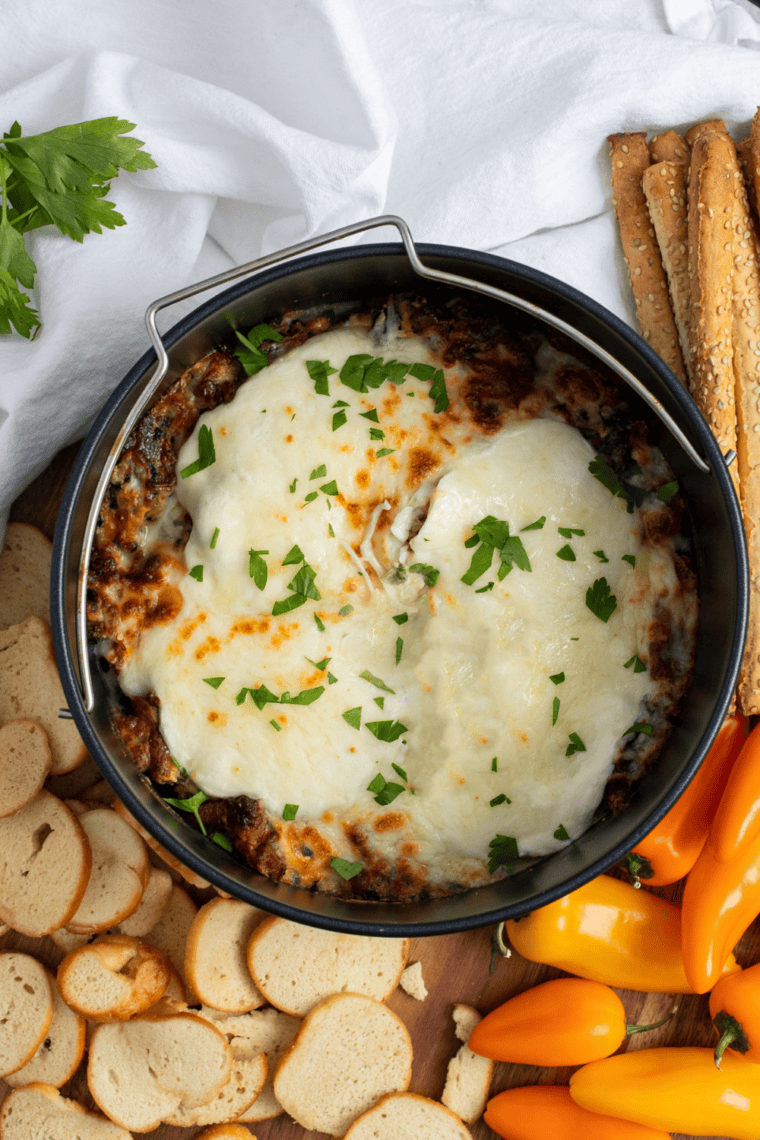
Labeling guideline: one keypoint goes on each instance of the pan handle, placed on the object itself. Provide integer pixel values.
(162, 366)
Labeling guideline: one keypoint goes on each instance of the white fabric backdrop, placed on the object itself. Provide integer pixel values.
(482, 122)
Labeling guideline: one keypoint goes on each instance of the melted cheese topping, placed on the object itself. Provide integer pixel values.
(471, 681)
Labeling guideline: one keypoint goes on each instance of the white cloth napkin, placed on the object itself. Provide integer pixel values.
(481, 122)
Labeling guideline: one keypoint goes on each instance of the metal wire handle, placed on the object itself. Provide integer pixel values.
(162, 367)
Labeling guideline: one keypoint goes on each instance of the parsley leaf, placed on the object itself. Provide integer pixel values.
(494, 535)
(557, 678)
(330, 488)
(345, 869)
(566, 553)
(630, 558)
(485, 589)
(339, 419)
(257, 567)
(638, 664)
(292, 486)
(275, 725)
(667, 491)
(311, 497)
(305, 697)
(353, 717)
(376, 433)
(293, 557)
(401, 619)
(250, 355)
(319, 370)
(192, 804)
(197, 573)
(387, 730)
(501, 799)
(640, 726)
(601, 470)
(206, 453)
(429, 573)
(384, 791)
(214, 682)
(222, 840)
(399, 648)
(352, 372)
(319, 622)
(600, 600)
(318, 472)
(575, 745)
(569, 531)
(385, 451)
(215, 536)
(555, 710)
(321, 665)
(303, 583)
(438, 392)
(289, 812)
(601, 556)
(371, 415)
(561, 833)
(344, 611)
(494, 765)
(502, 851)
(537, 525)
(286, 605)
(380, 702)
(367, 676)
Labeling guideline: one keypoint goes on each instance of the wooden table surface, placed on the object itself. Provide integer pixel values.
(455, 967)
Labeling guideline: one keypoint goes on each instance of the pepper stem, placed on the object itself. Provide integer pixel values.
(731, 1035)
(631, 1029)
(498, 946)
(638, 867)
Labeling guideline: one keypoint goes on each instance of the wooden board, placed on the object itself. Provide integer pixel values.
(455, 967)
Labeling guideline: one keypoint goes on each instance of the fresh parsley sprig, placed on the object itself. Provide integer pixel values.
(58, 178)
(493, 535)
(250, 355)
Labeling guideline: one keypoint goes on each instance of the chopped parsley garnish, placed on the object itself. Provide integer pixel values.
(293, 557)
(331, 680)
(601, 556)
(262, 696)
(321, 665)
(192, 804)
(401, 619)
(257, 567)
(561, 833)
(555, 710)
(339, 419)
(319, 622)
(362, 372)
(353, 717)
(537, 525)
(319, 370)
(557, 678)
(367, 676)
(380, 702)
(494, 535)
(341, 404)
(630, 558)
(250, 355)
(600, 600)
(197, 573)
(575, 745)
(569, 531)
(385, 451)
(305, 697)
(206, 453)
(242, 695)
(502, 851)
(387, 730)
(638, 664)
(422, 371)
(330, 530)
(438, 392)
(667, 491)
(293, 486)
(214, 682)
(502, 799)
(485, 589)
(494, 764)
(429, 573)
(318, 472)
(311, 497)
(274, 724)
(370, 415)
(214, 537)
(601, 470)
(222, 840)
(399, 648)
(639, 726)
(344, 611)
(290, 810)
(400, 772)
(330, 488)
(566, 553)
(376, 433)
(345, 869)
(384, 791)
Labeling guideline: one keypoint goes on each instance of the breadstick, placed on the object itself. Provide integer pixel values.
(711, 210)
(754, 165)
(630, 158)
(747, 163)
(665, 187)
(668, 147)
(699, 130)
(746, 338)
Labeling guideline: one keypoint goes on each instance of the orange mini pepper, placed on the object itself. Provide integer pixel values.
(609, 932)
(677, 1090)
(720, 900)
(737, 820)
(735, 1010)
(548, 1112)
(569, 1021)
(671, 849)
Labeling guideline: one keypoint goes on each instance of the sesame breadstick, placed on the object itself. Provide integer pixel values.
(630, 158)
(711, 208)
(699, 130)
(754, 164)
(668, 147)
(749, 169)
(665, 188)
(746, 339)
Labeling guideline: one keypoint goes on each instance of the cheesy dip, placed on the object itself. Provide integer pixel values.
(397, 639)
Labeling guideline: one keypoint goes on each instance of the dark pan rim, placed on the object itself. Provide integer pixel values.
(214, 873)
